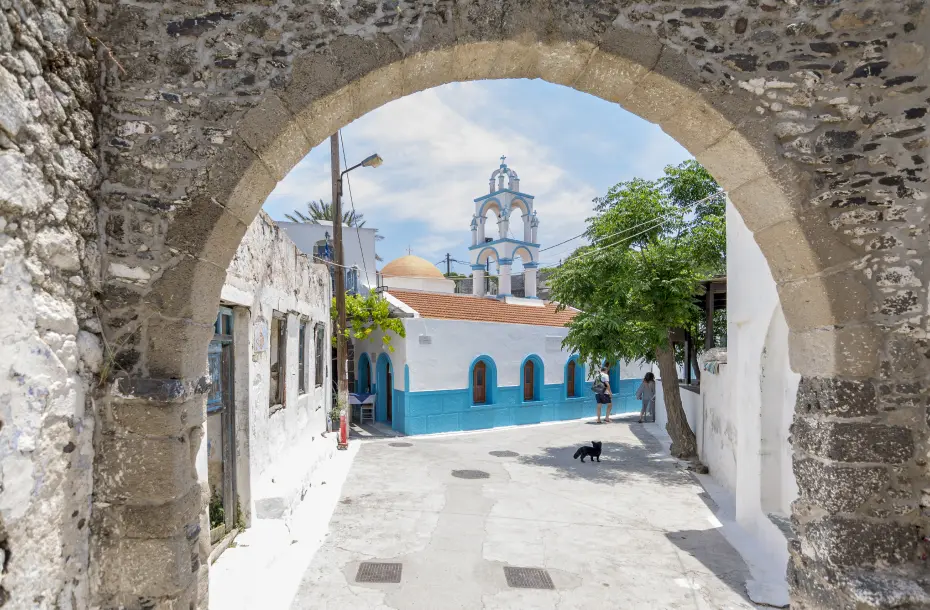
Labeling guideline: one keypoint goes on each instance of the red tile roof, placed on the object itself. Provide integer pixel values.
(481, 309)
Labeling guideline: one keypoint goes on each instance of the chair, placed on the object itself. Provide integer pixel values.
(368, 412)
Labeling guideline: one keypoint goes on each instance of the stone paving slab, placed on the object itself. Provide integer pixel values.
(633, 531)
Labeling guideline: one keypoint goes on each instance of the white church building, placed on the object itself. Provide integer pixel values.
(475, 361)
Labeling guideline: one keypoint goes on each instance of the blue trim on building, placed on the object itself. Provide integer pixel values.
(364, 373)
(505, 261)
(487, 246)
(501, 241)
(384, 363)
(433, 411)
(530, 265)
(490, 380)
(579, 379)
(498, 192)
(538, 376)
(477, 268)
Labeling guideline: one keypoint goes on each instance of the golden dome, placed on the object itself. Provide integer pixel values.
(411, 266)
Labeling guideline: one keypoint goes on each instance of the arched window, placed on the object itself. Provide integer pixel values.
(480, 383)
(570, 379)
(528, 379)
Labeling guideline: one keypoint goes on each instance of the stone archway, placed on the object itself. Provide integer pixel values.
(809, 114)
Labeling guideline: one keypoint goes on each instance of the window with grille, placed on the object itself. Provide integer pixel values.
(302, 359)
(278, 361)
(320, 352)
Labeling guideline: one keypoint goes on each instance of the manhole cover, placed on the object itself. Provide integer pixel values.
(401, 444)
(470, 474)
(504, 453)
(528, 578)
(378, 572)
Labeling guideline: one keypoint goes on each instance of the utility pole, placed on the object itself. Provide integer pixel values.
(342, 394)
(448, 264)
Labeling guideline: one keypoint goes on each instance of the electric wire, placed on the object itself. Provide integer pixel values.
(358, 231)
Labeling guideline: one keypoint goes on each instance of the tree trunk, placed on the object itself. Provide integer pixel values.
(684, 443)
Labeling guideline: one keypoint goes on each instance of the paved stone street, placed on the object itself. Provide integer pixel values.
(630, 532)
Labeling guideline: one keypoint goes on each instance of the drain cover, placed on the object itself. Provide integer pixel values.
(470, 474)
(504, 453)
(528, 578)
(401, 444)
(378, 572)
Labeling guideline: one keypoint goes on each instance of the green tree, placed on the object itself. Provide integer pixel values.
(652, 243)
(364, 315)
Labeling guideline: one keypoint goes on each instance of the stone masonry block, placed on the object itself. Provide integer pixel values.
(834, 396)
(659, 94)
(148, 418)
(274, 134)
(146, 568)
(379, 87)
(801, 247)
(841, 541)
(853, 441)
(838, 488)
(206, 230)
(239, 181)
(610, 77)
(516, 59)
(189, 289)
(144, 470)
(329, 114)
(850, 350)
(474, 60)
(562, 62)
(426, 70)
(824, 300)
(177, 348)
(765, 200)
(167, 520)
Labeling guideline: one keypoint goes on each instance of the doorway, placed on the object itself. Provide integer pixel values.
(390, 396)
(384, 389)
(221, 429)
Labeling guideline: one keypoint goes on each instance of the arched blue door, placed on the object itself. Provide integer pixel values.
(384, 404)
(364, 374)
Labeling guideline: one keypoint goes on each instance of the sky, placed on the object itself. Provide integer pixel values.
(440, 146)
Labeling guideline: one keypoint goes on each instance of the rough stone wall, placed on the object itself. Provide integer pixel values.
(284, 446)
(49, 332)
(812, 113)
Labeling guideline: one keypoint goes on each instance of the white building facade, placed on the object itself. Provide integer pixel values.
(358, 249)
(270, 396)
(745, 407)
(473, 361)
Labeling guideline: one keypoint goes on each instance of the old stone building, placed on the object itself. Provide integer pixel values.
(271, 383)
(139, 140)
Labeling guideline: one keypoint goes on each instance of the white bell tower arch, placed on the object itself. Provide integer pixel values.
(517, 229)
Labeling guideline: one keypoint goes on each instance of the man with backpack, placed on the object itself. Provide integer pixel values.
(602, 393)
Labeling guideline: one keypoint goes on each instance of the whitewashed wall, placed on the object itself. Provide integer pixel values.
(276, 451)
(444, 363)
(428, 284)
(358, 245)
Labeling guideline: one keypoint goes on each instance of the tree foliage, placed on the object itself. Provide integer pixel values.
(364, 315)
(651, 244)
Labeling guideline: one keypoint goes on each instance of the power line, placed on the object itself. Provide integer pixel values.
(716, 194)
(358, 232)
(657, 223)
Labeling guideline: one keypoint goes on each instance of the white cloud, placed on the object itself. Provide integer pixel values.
(439, 148)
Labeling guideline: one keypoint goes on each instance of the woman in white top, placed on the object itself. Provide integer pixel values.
(647, 394)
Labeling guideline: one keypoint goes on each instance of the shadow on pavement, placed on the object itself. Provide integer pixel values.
(716, 554)
(620, 462)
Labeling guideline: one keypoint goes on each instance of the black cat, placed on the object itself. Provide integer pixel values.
(593, 452)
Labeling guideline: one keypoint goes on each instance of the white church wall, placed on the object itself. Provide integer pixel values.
(428, 284)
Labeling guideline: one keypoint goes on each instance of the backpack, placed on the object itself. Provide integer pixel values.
(599, 386)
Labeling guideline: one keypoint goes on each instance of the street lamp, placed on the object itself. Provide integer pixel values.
(341, 368)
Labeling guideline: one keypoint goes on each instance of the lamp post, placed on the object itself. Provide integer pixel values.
(342, 396)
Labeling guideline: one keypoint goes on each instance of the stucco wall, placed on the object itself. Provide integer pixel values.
(50, 348)
(428, 284)
(282, 447)
(358, 245)
(439, 354)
